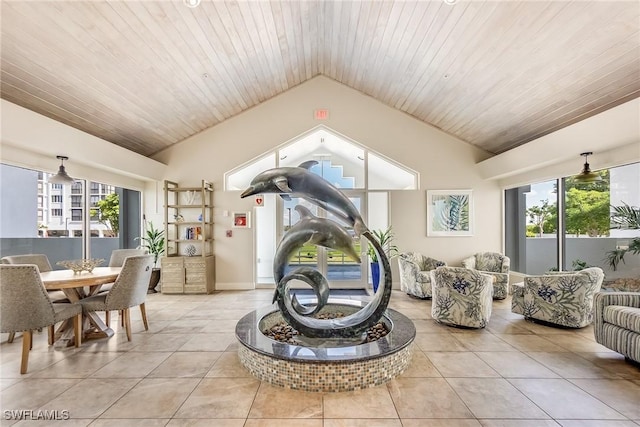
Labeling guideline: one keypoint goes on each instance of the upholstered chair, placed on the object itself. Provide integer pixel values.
(43, 264)
(563, 299)
(129, 290)
(40, 260)
(494, 264)
(414, 268)
(26, 306)
(461, 297)
(616, 323)
(118, 256)
(116, 260)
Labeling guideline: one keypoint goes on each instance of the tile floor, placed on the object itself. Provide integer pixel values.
(185, 372)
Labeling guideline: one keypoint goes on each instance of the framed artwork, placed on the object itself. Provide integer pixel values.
(449, 213)
(241, 220)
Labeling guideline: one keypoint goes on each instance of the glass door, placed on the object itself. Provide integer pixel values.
(340, 270)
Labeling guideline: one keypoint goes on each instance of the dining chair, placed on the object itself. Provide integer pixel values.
(129, 290)
(25, 306)
(42, 261)
(117, 259)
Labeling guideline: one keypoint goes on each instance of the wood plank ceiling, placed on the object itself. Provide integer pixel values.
(147, 74)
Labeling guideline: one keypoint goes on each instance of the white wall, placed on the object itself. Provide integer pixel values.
(443, 162)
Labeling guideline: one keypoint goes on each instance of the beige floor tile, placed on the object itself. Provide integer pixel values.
(153, 398)
(208, 342)
(7, 382)
(79, 365)
(482, 342)
(372, 402)
(426, 398)
(596, 423)
(77, 422)
(530, 342)
(429, 327)
(221, 325)
(369, 422)
(277, 402)
(576, 343)
(438, 342)
(218, 313)
(621, 395)
(420, 365)
(161, 342)
(570, 365)
(186, 364)
(206, 422)
(561, 399)
(417, 313)
(10, 367)
(503, 326)
(220, 398)
(32, 393)
(613, 363)
(519, 423)
(117, 343)
(185, 326)
(91, 397)
(228, 365)
(511, 364)
(281, 423)
(130, 422)
(460, 364)
(134, 364)
(416, 422)
(494, 398)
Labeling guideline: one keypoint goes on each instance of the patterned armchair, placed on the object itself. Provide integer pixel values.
(414, 273)
(564, 299)
(616, 322)
(461, 297)
(494, 264)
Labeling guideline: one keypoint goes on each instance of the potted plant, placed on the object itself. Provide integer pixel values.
(385, 238)
(153, 241)
(627, 218)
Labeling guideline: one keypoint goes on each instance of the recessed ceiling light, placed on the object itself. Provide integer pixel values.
(450, 1)
(191, 3)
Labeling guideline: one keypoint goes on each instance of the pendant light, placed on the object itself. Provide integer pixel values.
(61, 177)
(586, 176)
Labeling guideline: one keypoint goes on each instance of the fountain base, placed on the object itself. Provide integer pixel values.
(325, 365)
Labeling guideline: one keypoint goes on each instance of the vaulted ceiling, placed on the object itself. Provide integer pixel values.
(147, 74)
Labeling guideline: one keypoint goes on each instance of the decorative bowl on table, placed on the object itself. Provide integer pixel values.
(80, 265)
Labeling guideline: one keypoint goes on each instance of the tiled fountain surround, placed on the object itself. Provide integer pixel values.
(324, 368)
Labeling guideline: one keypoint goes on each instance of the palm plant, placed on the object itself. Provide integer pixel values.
(385, 238)
(153, 242)
(628, 218)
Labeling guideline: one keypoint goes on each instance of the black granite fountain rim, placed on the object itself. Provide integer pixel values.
(402, 334)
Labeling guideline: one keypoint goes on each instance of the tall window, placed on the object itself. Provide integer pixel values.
(543, 234)
(33, 210)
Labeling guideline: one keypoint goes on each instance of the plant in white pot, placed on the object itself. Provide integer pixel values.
(153, 241)
(385, 238)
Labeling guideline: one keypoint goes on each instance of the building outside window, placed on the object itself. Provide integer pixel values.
(566, 225)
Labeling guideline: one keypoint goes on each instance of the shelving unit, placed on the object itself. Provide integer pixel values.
(188, 266)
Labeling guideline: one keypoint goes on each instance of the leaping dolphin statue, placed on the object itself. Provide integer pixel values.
(311, 230)
(300, 182)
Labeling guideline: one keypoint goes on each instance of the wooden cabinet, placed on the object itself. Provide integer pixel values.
(188, 275)
(188, 266)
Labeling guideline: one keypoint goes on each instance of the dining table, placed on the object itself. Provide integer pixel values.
(77, 286)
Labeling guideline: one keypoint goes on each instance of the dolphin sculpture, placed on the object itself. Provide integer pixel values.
(311, 230)
(300, 182)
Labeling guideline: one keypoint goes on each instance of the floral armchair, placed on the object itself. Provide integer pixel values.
(461, 297)
(564, 299)
(414, 273)
(494, 264)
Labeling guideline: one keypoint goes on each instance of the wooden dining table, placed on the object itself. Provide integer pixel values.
(77, 286)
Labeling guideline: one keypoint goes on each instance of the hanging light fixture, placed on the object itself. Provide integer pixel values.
(586, 176)
(61, 177)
